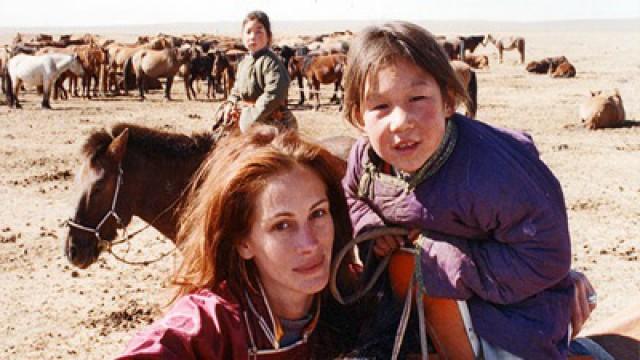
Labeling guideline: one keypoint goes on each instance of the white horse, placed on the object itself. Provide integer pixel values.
(38, 70)
(506, 43)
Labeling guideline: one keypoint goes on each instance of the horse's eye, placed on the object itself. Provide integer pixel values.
(99, 185)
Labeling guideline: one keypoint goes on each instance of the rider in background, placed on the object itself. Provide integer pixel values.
(260, 92)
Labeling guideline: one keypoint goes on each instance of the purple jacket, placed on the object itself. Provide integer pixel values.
(498, 232)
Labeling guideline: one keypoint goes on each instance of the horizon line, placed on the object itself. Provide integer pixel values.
(275, 21)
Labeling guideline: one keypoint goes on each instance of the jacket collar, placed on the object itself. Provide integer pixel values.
(269, 324)
(260, 52)
(375, 166)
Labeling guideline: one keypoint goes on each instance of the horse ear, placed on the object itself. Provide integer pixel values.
(118, 147)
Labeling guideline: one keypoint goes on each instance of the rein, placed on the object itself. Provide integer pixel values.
(107, 245)
(364, 237)
(223, 123)
(408, 303)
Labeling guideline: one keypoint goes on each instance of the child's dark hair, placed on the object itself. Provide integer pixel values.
(378, 46)
(262, 18)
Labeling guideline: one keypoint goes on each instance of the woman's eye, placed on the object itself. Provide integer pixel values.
(281, 226)
(379, 107)
(417, 98)
(318, 213)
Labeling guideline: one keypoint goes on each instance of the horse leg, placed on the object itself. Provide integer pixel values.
(341, 95)
(75, 85)
(46, 93)
(316, 86)
(167, 89)
(521, 50)
(187, 84)
(56, 89)
(211, 91)
(86, 81)
(16, 89)
(96, 81)
(141, 84)
(334, 97)
(301, 88)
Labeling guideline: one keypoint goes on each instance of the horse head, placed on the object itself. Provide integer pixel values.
(220, 62)
(488, 38)
(100, 209)
(184, 55)
(295, 66)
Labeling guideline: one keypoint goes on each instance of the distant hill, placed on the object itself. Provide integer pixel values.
(314, 27)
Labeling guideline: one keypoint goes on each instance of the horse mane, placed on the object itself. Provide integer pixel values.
(151, 141)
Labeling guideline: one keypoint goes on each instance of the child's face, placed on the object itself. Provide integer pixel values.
(254, 36)
(404, 115)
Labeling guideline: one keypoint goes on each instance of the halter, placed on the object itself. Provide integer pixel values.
(107, 245)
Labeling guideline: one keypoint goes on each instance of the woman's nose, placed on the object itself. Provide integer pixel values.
(307, 239)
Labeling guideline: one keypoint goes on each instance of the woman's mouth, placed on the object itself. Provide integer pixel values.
(311, 266)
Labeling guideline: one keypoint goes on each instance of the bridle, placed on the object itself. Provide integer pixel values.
(105, 244)
(108, 245)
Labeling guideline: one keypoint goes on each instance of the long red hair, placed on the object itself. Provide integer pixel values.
(221, 204)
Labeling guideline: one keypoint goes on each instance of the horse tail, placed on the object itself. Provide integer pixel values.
(127, 70)
(473, 94)
(8, 84)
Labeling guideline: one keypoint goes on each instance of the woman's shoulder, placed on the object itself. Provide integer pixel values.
(180, 332)
(220, 298)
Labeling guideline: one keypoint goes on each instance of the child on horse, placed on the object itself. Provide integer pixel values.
(262, 83)
(491, 214)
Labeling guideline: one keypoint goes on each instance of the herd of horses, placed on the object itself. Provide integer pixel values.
(115, 68)
(109, 68)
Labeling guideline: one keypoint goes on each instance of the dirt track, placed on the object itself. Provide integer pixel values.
(48, 309)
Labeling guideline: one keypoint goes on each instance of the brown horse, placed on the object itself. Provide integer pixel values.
(224, 72)
(468, 79)
(545, 65)
(157, 64)
(321, 69)
(118, 54)
(138, 171)
(507, 43)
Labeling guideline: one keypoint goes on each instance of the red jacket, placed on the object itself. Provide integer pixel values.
(209, 325)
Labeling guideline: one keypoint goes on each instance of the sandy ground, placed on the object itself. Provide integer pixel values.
(50, 310)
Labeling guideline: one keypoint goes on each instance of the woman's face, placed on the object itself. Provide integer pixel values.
(404, 115)
(292, 236)
(254, 36)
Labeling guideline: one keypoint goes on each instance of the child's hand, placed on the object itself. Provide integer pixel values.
(385, 245)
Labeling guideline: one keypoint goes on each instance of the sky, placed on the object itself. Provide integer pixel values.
(50, 13)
